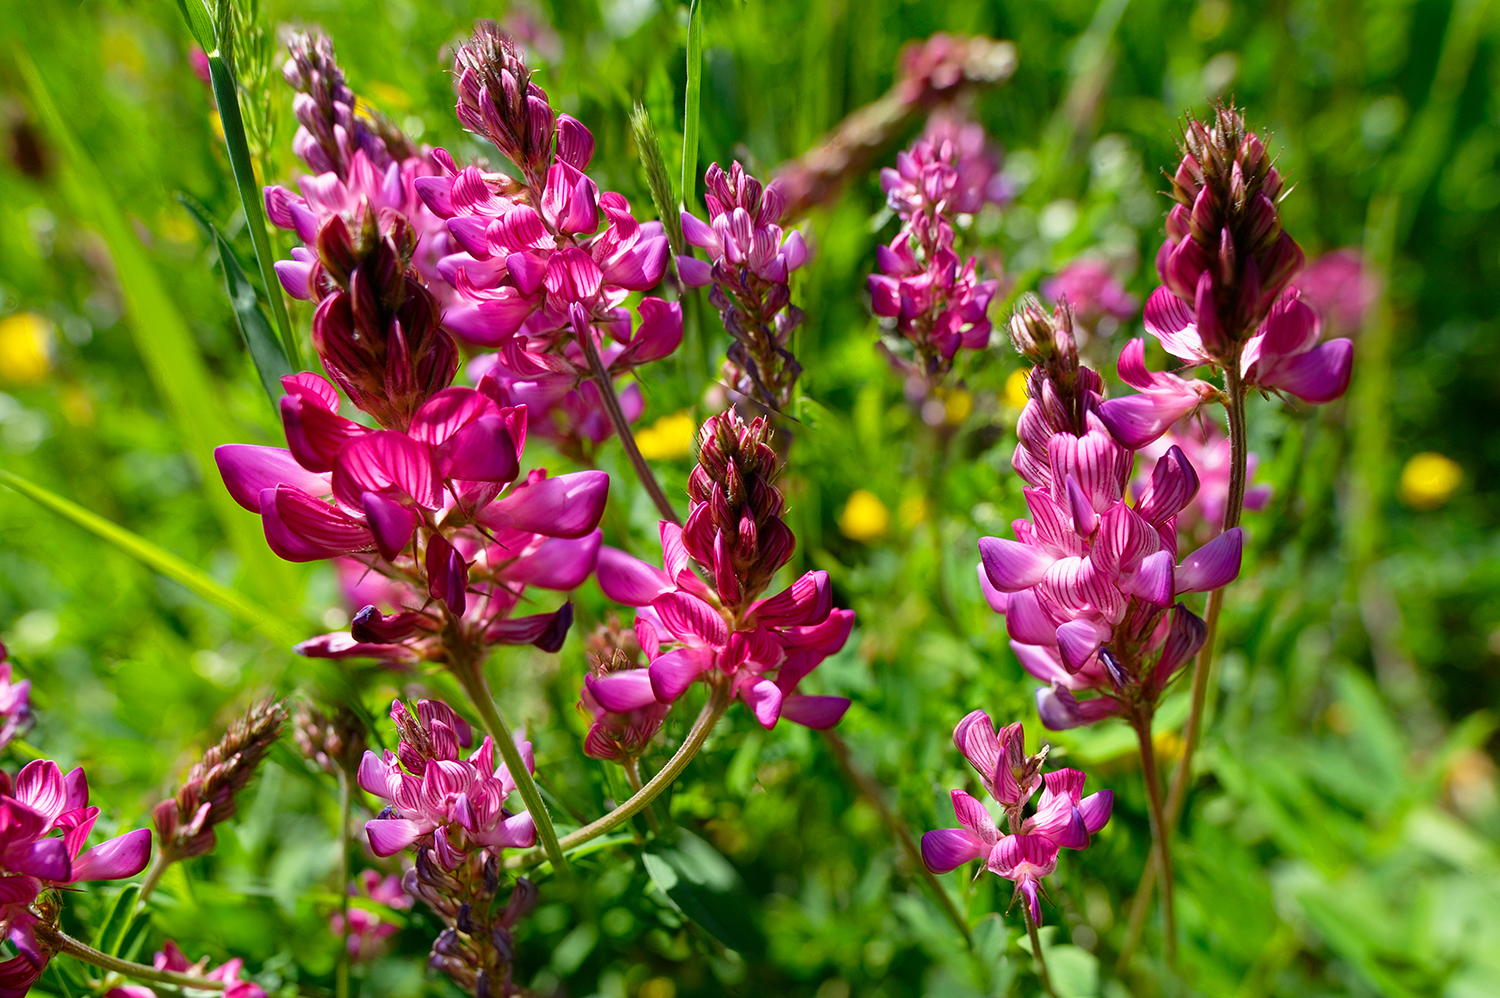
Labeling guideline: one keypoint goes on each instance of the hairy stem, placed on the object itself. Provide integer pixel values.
(632, 767)
(896, 826)
(159, 864)
(1036, 949)
(1234, 507)
(617, 418)
(1142, 724)
(472, 679)
(718, 702)
(60, 941)
(341, 967)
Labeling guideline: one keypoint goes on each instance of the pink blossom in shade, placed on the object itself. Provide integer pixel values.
(39, 802)
(1207, 450)
(1339, 287)
(437, 798)
(15, 702)
(1063, 819)
(560, 408)
(952, 169)
(171, 958)
(1093, 291)
(367, 931)
(439, 510)
(384, 890)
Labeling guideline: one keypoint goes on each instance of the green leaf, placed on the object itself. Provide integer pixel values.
(199, 22)
(117, 919)
(703, 886)
(690, 103)
(270, 359)
(159, 560)
(165, 345)
(226, 96)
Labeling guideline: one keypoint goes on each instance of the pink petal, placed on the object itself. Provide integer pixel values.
(763, 697)
(383, 460)
(691, 619)
(559, 563)
(949, 848)
(1213, 566)
(694, 272)
(562, 506)
(1012, 565)
(1318, 376)
(674, 672)
(971, 814)
(389, 836)
(622, 691)
(629, 580)
(299, 527)
(1096, 809)
(248, 470)
(120, 857)
(1078, 640)
(816, 712)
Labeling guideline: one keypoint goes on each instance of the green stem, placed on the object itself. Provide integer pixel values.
(632, 767)
(60, 941)
(472, 679)
(341, 966)
(606, 387)
(897, 827)
(159, 864)
(1142, 724)
(1036, 949)
(718, 702)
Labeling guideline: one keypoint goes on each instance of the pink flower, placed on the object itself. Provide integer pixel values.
(1093, 292)
(1063, 819)
(39, 802)
(15, 702)
(1207, 450)
(435, 797)
(1339, 287)
(172, 959)
(367, 931)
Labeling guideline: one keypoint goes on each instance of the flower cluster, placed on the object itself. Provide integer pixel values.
(614, 735)
(359, 161)
(368, 932)
(720, 629)
(1027, 852)
(1098, 300)
(533, 273)
(45, 820)
(1225, 300)
(1340, 288)
(15, 702)
(451, 811)
(936, 301)
(171, 958)
(750, 264)
(1088, 585)
(1207, 450)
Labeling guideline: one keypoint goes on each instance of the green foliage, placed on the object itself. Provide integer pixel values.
(1341, 839)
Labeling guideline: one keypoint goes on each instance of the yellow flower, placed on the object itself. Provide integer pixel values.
(25, 347)
(668, 437)
(1015, 389)
(865, 517)
(1429, 480)
(957, 405)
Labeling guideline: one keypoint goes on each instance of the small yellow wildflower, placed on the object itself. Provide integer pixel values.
(1429, 480)
(865, 517)
(668, 437)
(25, 347)
(1015, 389)
(957, 405)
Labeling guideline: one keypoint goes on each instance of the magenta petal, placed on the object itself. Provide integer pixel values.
(389, 836)
(1012, 565)
(565, 506)
(816, 712)
(491, 321)
(622, 691)
(998, 601)
(1185, 636)
(674, 672)
(19, 890)
(248, 470)
(1137, 420)
(1096, 809)
(293, 276)
(701, 235)
(120, 857)
(1060, 710)
(1078, 640)
(691, 619)
(1318, 376)
(660, 331)
(40, 786)
(949, 848)
(1152, 581)
(392, 524)
(46, 859)
(559, 563)
(1214, 565)
(763, 697)
(301, 528)
(629, 580)
(695, 273)
(483, 451)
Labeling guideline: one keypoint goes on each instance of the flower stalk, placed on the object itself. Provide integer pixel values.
(1142, 724)
(1036, 951)
(617, 418)
(341, 967)
(60, 941)
(466, 668)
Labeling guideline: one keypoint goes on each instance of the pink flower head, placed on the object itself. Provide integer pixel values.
(952, 169)
(435, 797)
(561, 409)
(15, 702)
(171, 958)
(1093, 291)
(39, 802)
(618, 735)
(721, 629)
(1063, 819)
(750, 262)
(368, 933)
(439, 509)
(1339, 287)
(1088, 584)
(1207, 450)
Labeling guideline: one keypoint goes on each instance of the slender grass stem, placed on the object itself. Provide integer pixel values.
(159, 864)
(60, 941)
(896, 825)
(1036, 950)
(1142, 724)
(718, 702)
(611, 401)
(341, 967)
(472, 679)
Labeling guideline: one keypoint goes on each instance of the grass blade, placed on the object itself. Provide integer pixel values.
(198, 22)
(165, 344)
(159, 559)
(270, 360)
(226, 96)
(690, 103)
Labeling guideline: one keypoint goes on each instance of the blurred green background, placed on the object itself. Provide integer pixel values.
(1342, 836)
